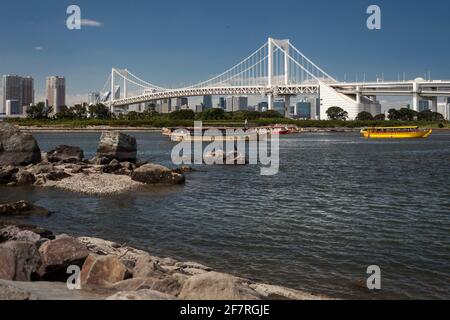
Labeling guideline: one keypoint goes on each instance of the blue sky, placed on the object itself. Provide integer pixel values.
(173, 43)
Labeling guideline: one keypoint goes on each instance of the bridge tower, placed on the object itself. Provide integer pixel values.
(285, 46)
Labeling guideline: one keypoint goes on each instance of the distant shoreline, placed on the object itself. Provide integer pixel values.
(96, 129)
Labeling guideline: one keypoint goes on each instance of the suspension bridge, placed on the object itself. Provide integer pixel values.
(276, 70)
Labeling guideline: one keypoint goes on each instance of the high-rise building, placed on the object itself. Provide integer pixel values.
(56, 93)
(166, 106)
(13, 108)
(278, 105)
(207, 102)
(27, 92)
(20, 90)
(236, 103)
(180, 102)
(222, 103)
(93, 98)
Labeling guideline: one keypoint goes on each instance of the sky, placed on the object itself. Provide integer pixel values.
(176, 43)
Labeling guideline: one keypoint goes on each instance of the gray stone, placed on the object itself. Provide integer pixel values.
(169, 284)
(217, 286)
(144, 294)
(24, 178)
(65, 154)
(17, 148)
(10, 233)
(16, 290)
(146, 267)
(57, 175)
(19, 260)
(157, 174)
(60, 253)
(22, 208)
(117, 145)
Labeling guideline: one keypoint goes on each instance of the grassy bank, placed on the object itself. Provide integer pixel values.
(165, 122)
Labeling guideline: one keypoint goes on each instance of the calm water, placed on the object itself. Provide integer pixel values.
(338, 205)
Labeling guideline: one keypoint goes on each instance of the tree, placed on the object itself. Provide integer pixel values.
(65, 113)
(364, 116)
(428, 115)
(271, 114)
(99, 111)
(380, 117)
(214, 114)
(39, 111)
(185, 114)
(404, 114)
(80, 111)
(133, 115)
(337, 113)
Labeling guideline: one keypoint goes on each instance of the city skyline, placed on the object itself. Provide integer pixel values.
(173, 55)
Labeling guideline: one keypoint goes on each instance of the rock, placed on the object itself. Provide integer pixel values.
(22, 208)
(57, 175)
(16, 290)
(42, 168)
(141, 295)
(100, 160)
(192, 265)
(127, 255)
(102, 270)
(40, 181)
(19, 260)
(115, 167)
(147, 267)
(7, 174)
(217, 286)
(60, 253)
(271, 292)
(8, 291)
(65, 154)
(10, 233)
(183, 169)
(24, 178)
(76, 168)
(17, 148)
(117, 145)
(170, 284)
(156, 174)
(128, 165)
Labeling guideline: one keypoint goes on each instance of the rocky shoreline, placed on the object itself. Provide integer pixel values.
(114, 169)
(34, 266)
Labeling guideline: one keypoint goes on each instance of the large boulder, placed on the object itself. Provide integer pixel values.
(19, 260)
(14, 233)
(169, 284)
(59, 254)
(66, 154)
(157, 174)
(117, 145)
(102, 271)
(217, 286)
(17, 148)
(20, 208)
(144, 294)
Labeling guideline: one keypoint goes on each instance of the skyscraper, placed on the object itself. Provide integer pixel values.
(56, 93)
(20, 90)
(236, 103)
(27, 92)
(207, 102)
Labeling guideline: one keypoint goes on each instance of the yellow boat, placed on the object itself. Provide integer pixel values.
(395, 133)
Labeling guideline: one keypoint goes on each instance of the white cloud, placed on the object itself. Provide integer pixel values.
(91, 23)
(39, 48)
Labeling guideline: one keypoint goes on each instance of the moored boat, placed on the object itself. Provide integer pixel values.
(410, 132)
